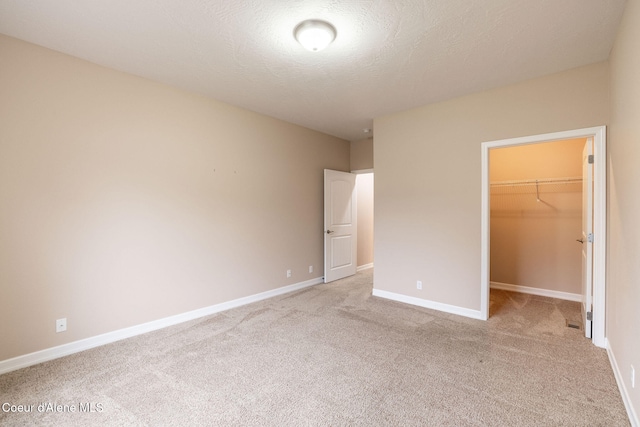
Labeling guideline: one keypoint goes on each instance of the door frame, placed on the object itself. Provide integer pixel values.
(599, 135)
(362, 172)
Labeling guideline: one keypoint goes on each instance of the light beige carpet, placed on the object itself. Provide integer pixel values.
(334, 355)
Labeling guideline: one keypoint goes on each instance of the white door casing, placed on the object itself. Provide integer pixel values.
(599, 135)
(585, 239)
(340, 225)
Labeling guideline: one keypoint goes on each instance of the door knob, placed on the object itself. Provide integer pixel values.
(330, 231)
(580, 240)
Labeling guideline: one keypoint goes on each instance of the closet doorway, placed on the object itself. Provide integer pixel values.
(536, 218)
(532, 216)
(364, 187)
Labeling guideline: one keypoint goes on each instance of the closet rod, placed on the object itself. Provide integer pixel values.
(537, 181)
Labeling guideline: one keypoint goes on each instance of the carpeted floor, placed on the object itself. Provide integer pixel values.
(334, 355)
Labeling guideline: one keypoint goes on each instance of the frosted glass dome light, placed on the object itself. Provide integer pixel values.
(314, 35)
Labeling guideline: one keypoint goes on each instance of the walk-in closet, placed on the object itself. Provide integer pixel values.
(536, 218)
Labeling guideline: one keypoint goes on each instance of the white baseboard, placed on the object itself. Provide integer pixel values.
(537, 291)
(633, 417)
(461, 311)
(30, 359)
(364, 267)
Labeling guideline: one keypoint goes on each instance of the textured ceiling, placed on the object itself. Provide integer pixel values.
(389, 56)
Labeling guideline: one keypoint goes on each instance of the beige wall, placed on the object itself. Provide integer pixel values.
(362, 154)
(427, 192)
(623, 267)
(364, 188)
(123, 201)
(533, 243)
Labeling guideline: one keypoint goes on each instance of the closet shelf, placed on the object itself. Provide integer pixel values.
(543, 181)
(537, 186)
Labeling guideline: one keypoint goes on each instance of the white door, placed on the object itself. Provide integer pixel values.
(340, 225)
(587, 236)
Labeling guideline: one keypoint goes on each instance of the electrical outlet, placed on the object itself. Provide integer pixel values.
(633, 377)
(311, 269)
(288, 273)
(419, 284)
(61, 325)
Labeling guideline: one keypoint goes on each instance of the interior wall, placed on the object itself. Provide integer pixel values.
(124, 201)
(533, 243)
(364, 188)
(428, 177)
(362, 154)
(623, 268)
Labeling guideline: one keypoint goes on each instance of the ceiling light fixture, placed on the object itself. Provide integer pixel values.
(314, 35)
